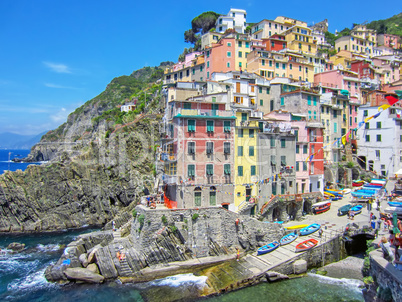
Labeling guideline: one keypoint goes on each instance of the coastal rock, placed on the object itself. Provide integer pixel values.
(16, 246)
(93, 268)
(83, 259)
(83, 274)
(274, 276)
(299, 267)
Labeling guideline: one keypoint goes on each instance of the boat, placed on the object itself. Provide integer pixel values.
(309, 229)
(395, 204)
(378, 181)
(321, 207)
(295, 227)
(364, 193)
(268, 248)
(356, 209)
(328, 194)
(346, 191)
(344, 209)
(288, 238)
(357, 184)
(391, 210)
(333, 192)
(306, 245)
(336, 198)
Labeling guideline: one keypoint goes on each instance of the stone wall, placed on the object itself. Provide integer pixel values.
(386, 275)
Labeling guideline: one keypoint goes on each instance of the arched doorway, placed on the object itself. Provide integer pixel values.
(307, 207)
(292, 209)
(276, 214)
(212, 196)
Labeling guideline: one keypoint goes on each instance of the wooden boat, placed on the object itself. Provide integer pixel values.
(268, 248)
(395, 204)
(356, 209)
(346, 191)
(334, 192)
(344, 209)
(321, 207)
(295, 227)
(336, 198)
(328, 194)
(306, 245)
(288, 238)
(357, 184)
(309, 229)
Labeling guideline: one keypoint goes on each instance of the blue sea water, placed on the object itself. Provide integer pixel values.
(6, 164)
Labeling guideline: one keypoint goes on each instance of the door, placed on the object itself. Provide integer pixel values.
(248, 194)
(214, 108)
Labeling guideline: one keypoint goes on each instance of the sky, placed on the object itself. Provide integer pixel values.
(56, 55)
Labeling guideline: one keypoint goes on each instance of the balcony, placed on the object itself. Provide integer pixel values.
(168, 157)
(169, 179)
(179, 112)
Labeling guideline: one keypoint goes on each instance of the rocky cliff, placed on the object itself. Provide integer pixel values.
(99, 162)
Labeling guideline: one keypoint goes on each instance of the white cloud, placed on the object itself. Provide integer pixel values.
(57, 67)
(59, 116)
(51, 85)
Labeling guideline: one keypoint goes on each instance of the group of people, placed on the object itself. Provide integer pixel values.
(153, 200)
(394, 240)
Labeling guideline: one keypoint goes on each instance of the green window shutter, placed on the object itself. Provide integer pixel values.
(283, 160)
(272, 140)
(226, 126)
(197, 199)
(244, 116)
(309, 100)
(304, 149)
(212, 198)
(187, 105)
(297, 135)
(315, 101)
(261, 126)
(252, 170)
(210, 169)
(283, 143)
(240, 133)
(251, 133)
(191, 170)
(261, 103)
(226, 169)
(297, 166)
(240, 170)
(304, 166)
(282, 101)
(191, 125)
(274, 188)
(297, 149)
(273, 160)
(267, 90)
(239, 150)
(251, 151)
(210, 126)
(226, 148)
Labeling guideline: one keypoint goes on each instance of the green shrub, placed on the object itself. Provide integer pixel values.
(173, 228)
(134, 213)
(185, 220)
(164, 219)
(107, 134)
(368, 280)
(141, 220)
(350, 164)
(195, 216)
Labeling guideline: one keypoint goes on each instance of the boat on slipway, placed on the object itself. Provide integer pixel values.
(310, 229)
(306, 245)
(288, 238)
(296, 227)
(321, 207)
(268, 248)
(356, 209)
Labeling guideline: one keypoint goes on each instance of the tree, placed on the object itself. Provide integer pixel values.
(330, 38)
(190, 36)
(204, 22)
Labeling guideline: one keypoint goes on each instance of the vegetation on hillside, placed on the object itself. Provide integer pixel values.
(392, 26)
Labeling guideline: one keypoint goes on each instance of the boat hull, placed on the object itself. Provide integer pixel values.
(306, 245)
(310, 229)
(268, 248)
(288, 238)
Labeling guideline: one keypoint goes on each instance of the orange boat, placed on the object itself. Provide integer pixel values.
(306, 245)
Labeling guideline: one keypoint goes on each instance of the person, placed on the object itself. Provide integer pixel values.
(397, 243)
(237, 254)
(386, 249)
(114, 226)
(369, 203)
(320, 232)
(351, 215)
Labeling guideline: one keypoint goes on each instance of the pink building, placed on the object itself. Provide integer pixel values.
(391, 41)
(220, 57)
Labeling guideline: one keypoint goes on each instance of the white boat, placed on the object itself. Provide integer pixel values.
(391, 210)
(346, 191)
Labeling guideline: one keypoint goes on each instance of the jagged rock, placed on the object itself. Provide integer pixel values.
(83, 259)
(83, 274)
(300, 266)
(16, 247)
(93, 268)
(91, 256)
(274, 276)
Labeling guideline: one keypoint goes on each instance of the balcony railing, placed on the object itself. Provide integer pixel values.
(169, 179)
(203, 112)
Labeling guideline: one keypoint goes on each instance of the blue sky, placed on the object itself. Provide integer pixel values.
(56, 55)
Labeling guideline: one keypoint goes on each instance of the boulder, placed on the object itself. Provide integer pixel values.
(274, 276)
(83, 274)
(93, 268)
(299, 267)
(83, 259)
(91, 257)
(16, 247)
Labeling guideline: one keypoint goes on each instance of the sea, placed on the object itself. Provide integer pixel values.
(6, 163)
(22, 275)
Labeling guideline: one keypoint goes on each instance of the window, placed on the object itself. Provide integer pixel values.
(304, 166)
(283, 143)
(207, 64)
(315, 101)
(240, 43)
(228, 54)
(305, 147)
(252, 172)
(191, 125)
(208, 74)
(226, 147)
(276, 65)
(229, 44)
(226, 169)
(378, 137)
(300, 68)
(187, 106)
(240, 132)
(212, 198)
(273, 160)
(309, 100)
(272, 139)
(297, 149)
(197, 198)
(263, 62)
(312, 168)
(283, 66)
(244, 116)
(240, 170)
(365, 112)
(210, 126)
(274, 188)
(282, 101)
(378, 125)
(240, 54)
(251, 151)
(210, 147)
(261, 103)
(297, 166)
(367, 126)
(226, 126)
(247, 45)
(297, 135)
(290, 66)
(283, 160)
(377, 154)
(251, 133)
(191, 147)
(191, 171)
(210, 169)
(335, 127)
(239, 150)
(367, 138)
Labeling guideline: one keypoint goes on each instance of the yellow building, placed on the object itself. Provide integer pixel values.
(360, 41)
(242, 48)
(299, 38)
(246, 159)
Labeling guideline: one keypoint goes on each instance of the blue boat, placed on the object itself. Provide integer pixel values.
(288, 238)
(310, 229)
(395, 204)
(268, 248)
(364, 193)
(356, 209)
